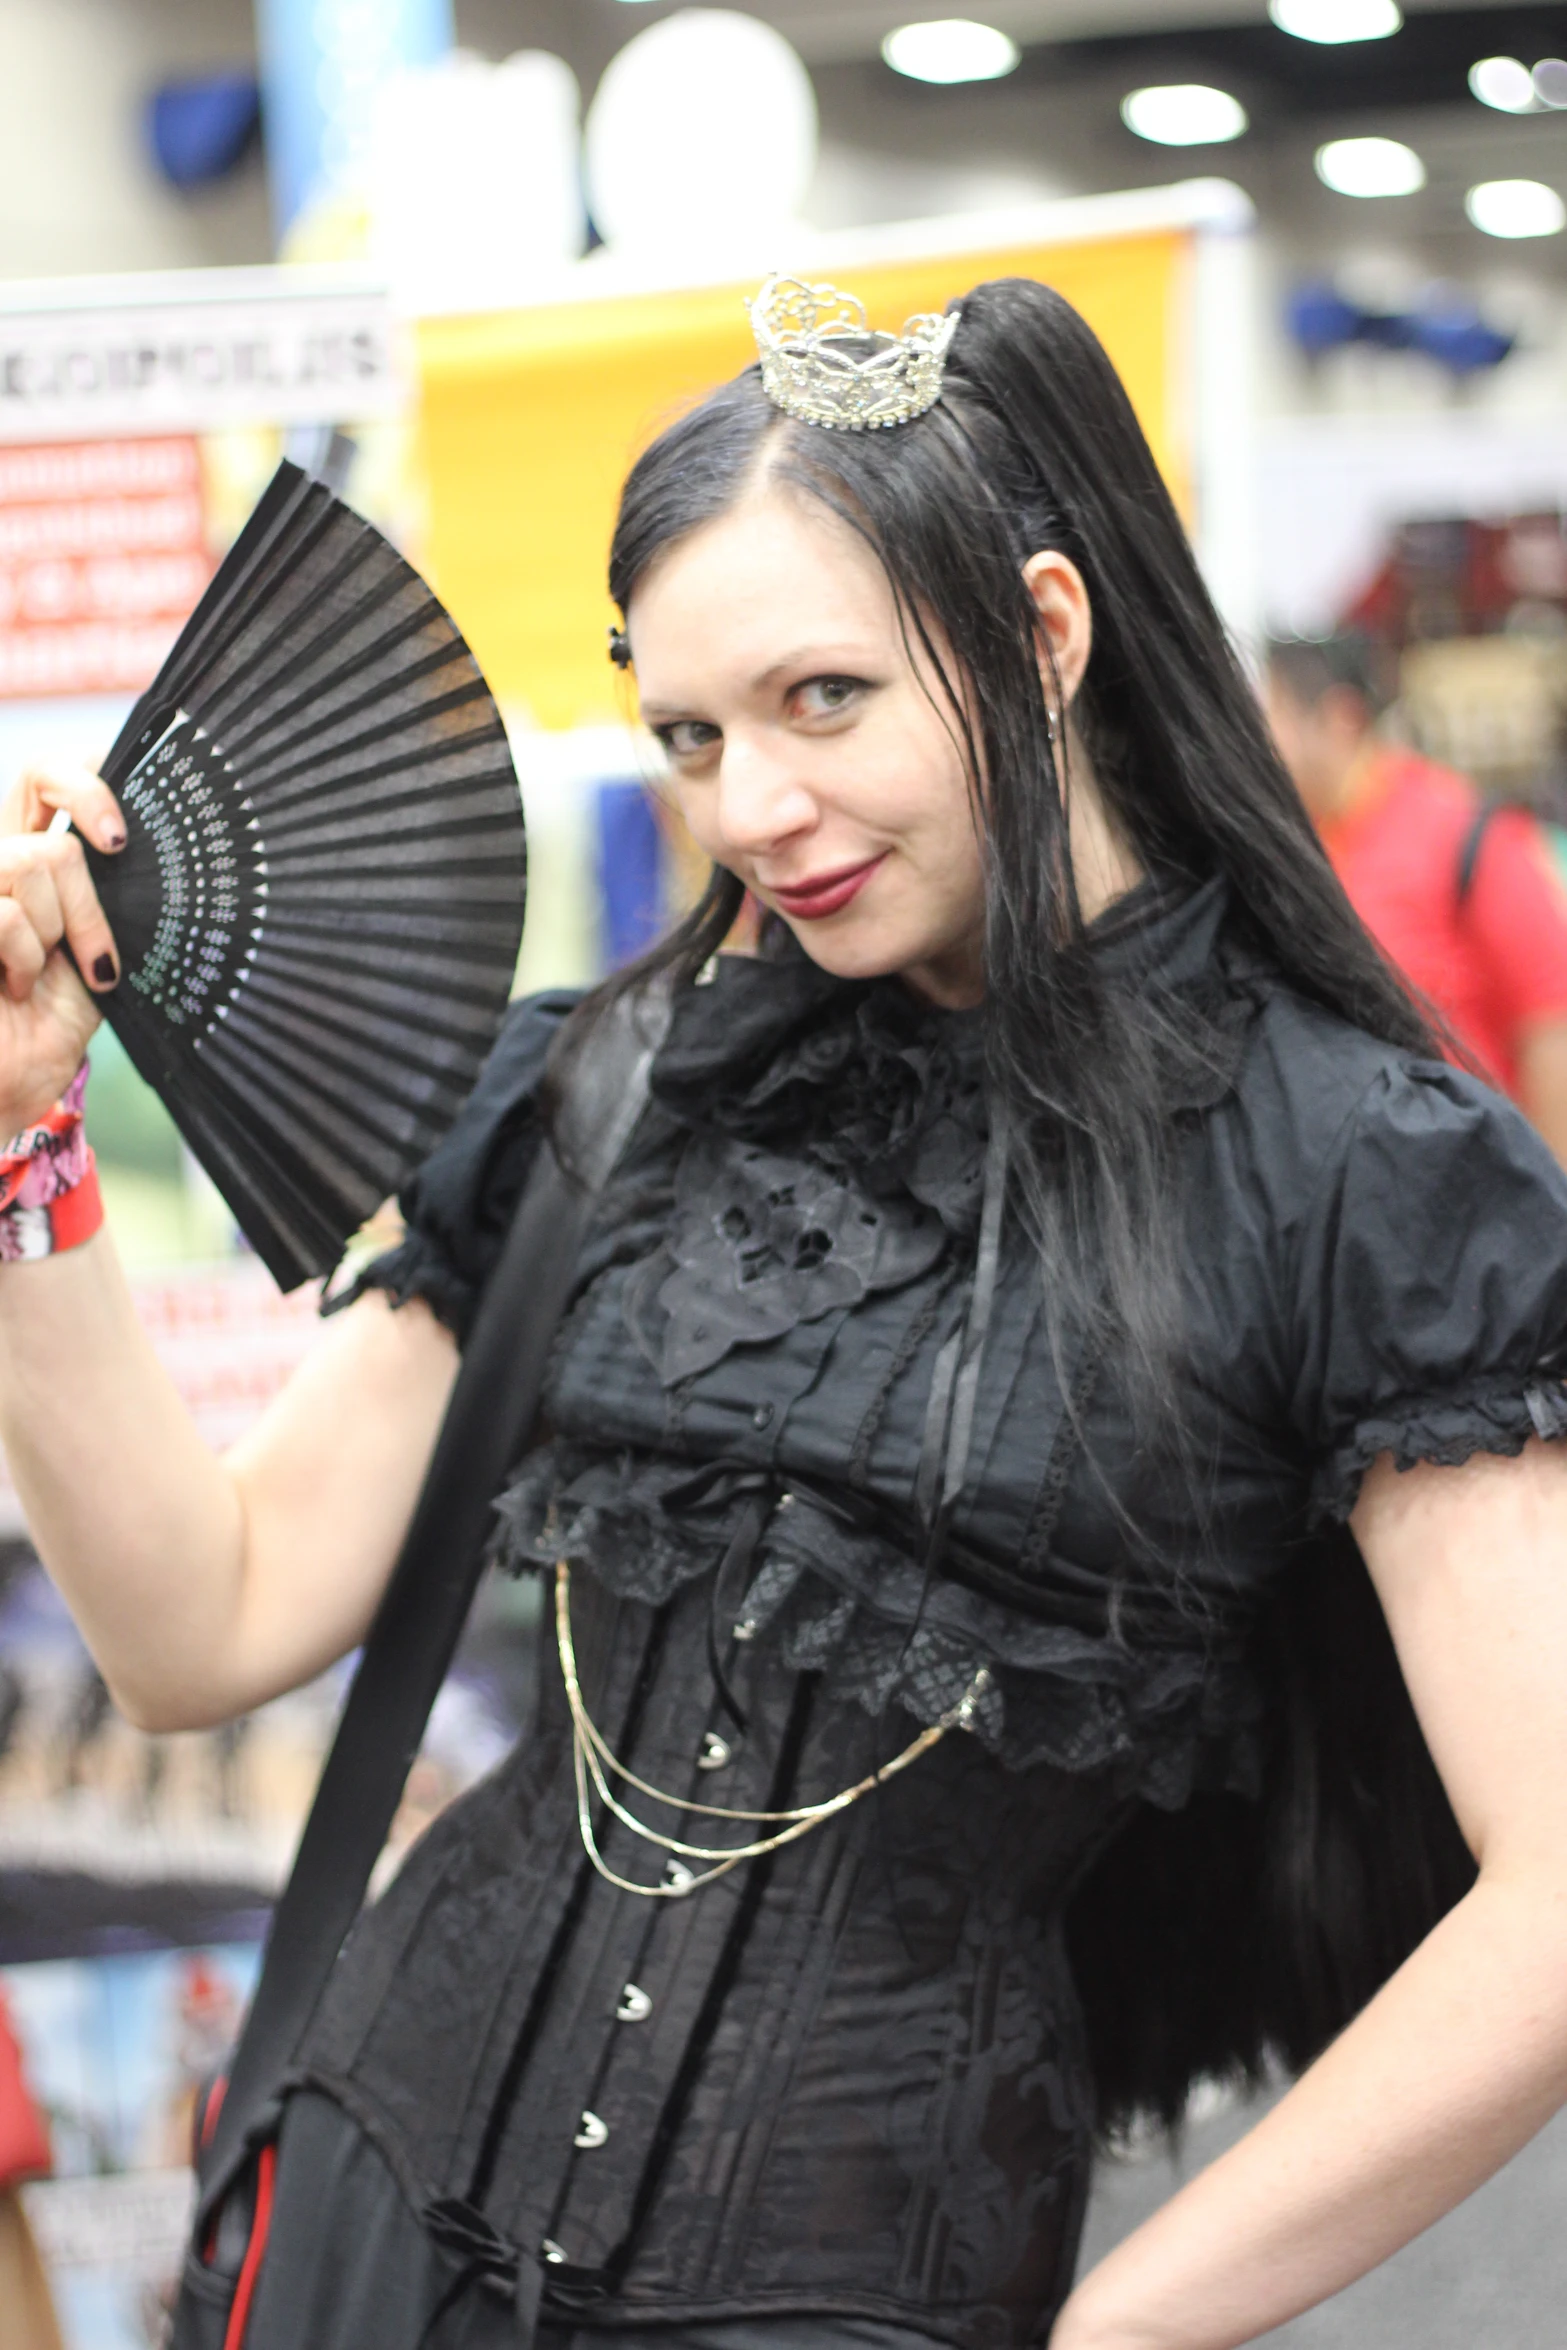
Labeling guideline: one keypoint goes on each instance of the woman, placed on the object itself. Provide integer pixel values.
(1027, 1266)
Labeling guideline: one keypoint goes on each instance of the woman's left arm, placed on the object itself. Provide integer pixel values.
(1462, 2055)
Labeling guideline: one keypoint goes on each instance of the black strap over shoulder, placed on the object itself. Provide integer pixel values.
(421, 1617)
(1469, 850)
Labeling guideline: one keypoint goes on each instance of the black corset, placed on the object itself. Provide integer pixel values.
(847, 2077)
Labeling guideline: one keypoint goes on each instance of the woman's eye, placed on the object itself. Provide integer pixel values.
(824, 697)
(687, 738)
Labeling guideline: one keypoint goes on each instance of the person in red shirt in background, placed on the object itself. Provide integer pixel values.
(27, 2317)
(1464, 898)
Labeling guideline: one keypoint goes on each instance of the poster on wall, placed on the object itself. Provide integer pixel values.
(104, 550)
(115, 2051)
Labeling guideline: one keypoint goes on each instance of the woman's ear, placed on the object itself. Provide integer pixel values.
(1065, 620)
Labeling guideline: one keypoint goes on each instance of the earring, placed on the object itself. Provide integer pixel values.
(620, 648)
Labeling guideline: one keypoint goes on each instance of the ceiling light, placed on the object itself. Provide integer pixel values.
(1336, 20)
(1516, 208)
(1183, 114)
(952, 49)
(1550, 81)
(1370, 167)
(1505, 83)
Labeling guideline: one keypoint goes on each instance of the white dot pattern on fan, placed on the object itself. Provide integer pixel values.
(189, 820)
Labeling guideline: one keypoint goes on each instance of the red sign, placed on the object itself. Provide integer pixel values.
(103, 553)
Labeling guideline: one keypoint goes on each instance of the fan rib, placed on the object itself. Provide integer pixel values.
(402, 1027)
(331, 1148)
(303, 755)
(323, 651)
(356, 804)
(311, 652)
(252, 589)
(324, 946)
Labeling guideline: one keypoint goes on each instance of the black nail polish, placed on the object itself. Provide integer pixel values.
(104, 972)
(114, 840)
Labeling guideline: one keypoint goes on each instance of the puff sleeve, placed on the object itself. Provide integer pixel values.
(457, 1207)
(1430, 1289)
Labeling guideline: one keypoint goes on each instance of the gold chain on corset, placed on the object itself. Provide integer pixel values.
(592, 1760)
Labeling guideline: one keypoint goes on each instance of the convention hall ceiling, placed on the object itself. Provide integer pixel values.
(827, 31)
(1054, 126)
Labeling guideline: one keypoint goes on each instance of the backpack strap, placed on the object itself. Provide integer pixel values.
(421, 1617)
(1469, 849)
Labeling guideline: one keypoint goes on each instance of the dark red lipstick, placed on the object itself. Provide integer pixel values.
(823, 893)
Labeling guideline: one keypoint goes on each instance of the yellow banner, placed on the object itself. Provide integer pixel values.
(530, 419)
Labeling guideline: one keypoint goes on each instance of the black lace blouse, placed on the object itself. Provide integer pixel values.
(853, 2076)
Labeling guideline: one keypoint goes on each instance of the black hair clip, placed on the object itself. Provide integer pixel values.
(620, 648)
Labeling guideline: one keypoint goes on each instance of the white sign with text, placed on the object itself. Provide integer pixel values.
(194, 351)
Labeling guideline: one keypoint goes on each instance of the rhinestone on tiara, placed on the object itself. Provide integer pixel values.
(823, 364)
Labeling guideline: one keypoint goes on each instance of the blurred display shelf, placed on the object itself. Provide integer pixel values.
(82, 1833)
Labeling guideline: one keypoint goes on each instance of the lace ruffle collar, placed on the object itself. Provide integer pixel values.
(862, 1076)
(870, 1080)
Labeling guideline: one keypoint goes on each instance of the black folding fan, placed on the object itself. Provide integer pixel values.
(319, 904)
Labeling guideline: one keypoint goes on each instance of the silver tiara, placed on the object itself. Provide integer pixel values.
(823, 364)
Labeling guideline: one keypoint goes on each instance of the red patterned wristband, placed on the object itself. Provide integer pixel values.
(49, 1197)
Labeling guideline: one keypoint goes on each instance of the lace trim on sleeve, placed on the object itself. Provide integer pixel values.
(412, 1269)
(1448, 1430)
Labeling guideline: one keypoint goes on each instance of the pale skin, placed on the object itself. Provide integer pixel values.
(803, 742)
(1326, 745)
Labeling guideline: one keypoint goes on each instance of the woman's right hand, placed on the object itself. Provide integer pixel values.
(47, 902)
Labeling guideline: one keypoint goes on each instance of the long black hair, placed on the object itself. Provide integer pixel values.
(1277, 1919)
(1033, 445)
